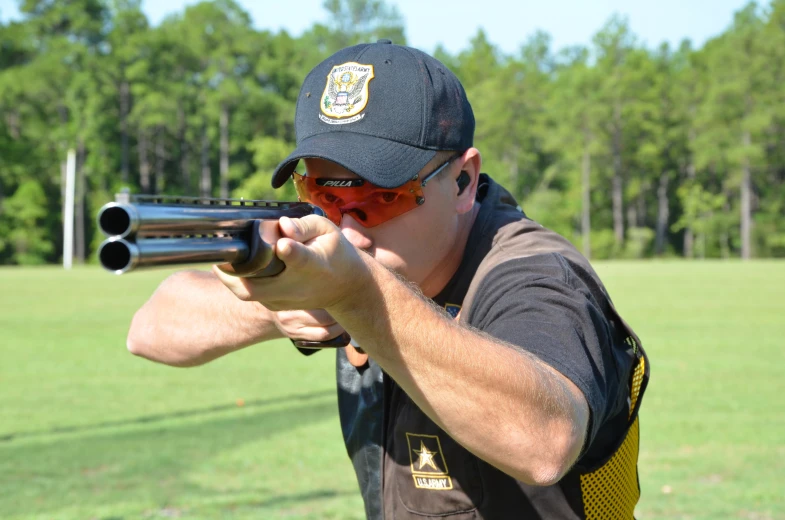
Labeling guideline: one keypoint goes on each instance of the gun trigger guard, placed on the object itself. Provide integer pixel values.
(262, 260)
(337, 342)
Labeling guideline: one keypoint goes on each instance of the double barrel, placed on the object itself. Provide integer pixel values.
(147, 231)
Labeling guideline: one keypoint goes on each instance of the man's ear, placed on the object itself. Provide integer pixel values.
(467, 180)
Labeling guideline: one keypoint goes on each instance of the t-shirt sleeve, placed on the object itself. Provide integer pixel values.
(539, 305)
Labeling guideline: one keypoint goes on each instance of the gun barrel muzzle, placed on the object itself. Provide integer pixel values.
(118, 220)
(120, 255)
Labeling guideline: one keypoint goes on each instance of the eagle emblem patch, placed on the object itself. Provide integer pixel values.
(346, 93)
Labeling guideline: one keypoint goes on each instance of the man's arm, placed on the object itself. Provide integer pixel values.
(503, 405)
(192, 319)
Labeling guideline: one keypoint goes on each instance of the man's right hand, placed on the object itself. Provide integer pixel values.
(192, 319)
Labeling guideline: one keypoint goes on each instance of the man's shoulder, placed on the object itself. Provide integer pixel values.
(503, 231)
(508, 247)
(522, 251)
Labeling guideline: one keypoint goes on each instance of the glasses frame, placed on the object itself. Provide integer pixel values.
(419, 198)
(438, 170)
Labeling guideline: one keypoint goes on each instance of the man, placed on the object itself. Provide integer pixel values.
(519, 401)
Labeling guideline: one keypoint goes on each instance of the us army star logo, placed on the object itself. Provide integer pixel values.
(427, 462)
(426, 457)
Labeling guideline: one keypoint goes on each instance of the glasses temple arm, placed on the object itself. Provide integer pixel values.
(435, 172)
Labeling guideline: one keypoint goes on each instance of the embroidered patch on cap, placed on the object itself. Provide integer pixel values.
(346, 93)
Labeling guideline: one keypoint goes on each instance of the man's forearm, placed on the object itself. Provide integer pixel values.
(192, 318)
(503, 405)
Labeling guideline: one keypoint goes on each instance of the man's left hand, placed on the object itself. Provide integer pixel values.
(323, 269)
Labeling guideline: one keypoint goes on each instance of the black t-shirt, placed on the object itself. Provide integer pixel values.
(529, 287)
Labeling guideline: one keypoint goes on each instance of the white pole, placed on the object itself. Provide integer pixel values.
(68, 216)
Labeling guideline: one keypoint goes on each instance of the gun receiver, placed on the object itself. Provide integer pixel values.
(146, 231)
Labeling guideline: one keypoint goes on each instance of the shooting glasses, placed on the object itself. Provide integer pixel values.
(368, 204)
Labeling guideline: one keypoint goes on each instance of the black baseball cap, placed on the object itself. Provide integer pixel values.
(381, 111)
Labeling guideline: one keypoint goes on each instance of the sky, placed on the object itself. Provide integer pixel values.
(508, 23)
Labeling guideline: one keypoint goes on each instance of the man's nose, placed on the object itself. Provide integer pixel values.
(355, 233)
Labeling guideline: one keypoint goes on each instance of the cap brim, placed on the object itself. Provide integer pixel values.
(382, 162)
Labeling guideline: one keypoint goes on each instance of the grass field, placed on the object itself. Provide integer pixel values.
(87, 431)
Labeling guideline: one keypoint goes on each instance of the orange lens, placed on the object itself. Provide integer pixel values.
(368, 204)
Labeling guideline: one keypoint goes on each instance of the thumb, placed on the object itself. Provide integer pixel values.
(292, 253)
(306, 228)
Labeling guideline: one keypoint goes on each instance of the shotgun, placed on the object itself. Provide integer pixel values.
(145, 231)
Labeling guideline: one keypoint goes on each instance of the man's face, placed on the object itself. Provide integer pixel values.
(417, 243)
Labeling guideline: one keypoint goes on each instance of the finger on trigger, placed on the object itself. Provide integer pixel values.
(320, 333)
(321, 317)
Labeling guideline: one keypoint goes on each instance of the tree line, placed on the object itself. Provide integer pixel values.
(628, 151)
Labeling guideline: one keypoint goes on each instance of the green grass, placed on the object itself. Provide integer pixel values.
(87, 431)
(713, 418)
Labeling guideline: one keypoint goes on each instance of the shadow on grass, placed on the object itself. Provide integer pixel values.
(301, 500)
(148, 419)
(297, 498)
(150, 467)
